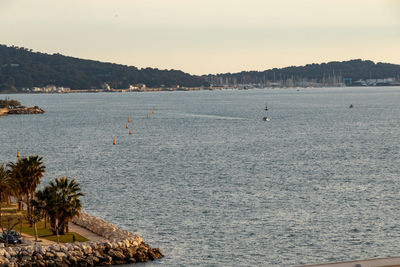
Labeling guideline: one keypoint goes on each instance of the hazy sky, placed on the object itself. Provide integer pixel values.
(206, 36)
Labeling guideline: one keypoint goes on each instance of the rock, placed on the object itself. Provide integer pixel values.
(60, 255)
(49, 255)
(106, 259)
(156, 252)
(26, 110)
(122, 247)
(140, 256)
(118, 262)
(130, 252)
(93, 259)
(116, 254)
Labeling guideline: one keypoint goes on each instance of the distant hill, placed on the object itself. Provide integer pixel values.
(332, 73)
(21, 67)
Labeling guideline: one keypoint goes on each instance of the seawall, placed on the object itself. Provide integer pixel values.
(122, 247)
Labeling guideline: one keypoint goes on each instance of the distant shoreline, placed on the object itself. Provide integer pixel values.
(14, 107)
(183, 89)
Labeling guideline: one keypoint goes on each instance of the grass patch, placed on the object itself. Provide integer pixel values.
(4, 205)
(8, 211)
(46, 233)
(43, 232)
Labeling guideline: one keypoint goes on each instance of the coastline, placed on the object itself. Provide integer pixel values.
(121, 247)
(183, 89)
(21, 111)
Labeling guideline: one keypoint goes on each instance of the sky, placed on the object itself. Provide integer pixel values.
(206, 36)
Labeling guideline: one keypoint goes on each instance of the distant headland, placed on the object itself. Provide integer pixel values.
(10, 106)
(25, 71)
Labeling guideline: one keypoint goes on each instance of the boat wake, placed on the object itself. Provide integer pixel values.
(217, 117)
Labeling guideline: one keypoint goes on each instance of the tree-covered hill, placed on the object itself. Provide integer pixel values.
(325, 73)
(21, 67)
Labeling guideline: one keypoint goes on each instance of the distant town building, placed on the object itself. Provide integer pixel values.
(133, 87)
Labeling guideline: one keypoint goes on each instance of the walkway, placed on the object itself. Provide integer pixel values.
(86, 233)
(381, 262)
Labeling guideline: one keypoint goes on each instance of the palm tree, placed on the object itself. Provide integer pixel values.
(45, 203)
(4, 185)
(60, 201)
(69, 204)
(15, 173)
(35, 171)
(26, 174)
(4, 182)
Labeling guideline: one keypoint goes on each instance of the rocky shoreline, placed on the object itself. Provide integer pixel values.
(26, 110)
(122, 247)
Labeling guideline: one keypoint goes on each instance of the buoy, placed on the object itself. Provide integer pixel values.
(266, 119)
(126, 126)
(129, 120)
(17, 153)
(130, 131)
(147, 116)
(114, 142)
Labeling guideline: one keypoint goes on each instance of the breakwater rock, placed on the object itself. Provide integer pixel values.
(122, 247)
(26, 110)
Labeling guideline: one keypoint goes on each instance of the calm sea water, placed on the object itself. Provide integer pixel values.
(211, 184)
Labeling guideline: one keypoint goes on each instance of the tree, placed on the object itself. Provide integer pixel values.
(16, 174)
(26, 174)
(12, 221)
(45, 203)
(4, 185)
(69, 204)
(9, 103)
(34, 217)
(60, 201)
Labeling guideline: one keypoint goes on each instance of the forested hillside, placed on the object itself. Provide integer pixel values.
(326, 73)
(21, 67)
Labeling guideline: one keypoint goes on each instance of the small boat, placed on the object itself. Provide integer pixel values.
(266, 107)
(266, 119)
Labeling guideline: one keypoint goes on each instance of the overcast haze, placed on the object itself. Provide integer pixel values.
(206, 36)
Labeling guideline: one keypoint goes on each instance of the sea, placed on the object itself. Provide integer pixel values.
(210, 183)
